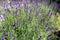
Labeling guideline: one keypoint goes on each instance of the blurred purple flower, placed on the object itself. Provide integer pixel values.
(27, 1)
(25, 7)
(56, 6)
(14, 4)
(14, 38)
(30, 11)
(26, 35)
(7, 10)
(37, 13)
(3, 38)
(14, 25)
(48, 29)
(0, 0)
(16, 12)
(20, 0)
(41, 20)
(10, 34)
(36, 1)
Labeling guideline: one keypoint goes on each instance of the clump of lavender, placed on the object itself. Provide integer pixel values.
(28, 21)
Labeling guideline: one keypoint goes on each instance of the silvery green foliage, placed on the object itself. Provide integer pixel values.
(32, 21)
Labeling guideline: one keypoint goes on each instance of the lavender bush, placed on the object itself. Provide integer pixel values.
(25, 20)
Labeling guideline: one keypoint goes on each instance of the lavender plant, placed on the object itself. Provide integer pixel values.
(28, 21)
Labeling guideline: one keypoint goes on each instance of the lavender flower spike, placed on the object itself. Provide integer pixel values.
(14, 38)
(36, 14)
(3, 38)
(7, 10)
(10, 34)
(16, 12)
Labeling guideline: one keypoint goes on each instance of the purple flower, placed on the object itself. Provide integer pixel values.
(30, 11)
(3, 38)
(0, 0)
(14, 38)
(41, 20)
(20, 0)
(48, 29)
(37, 14)
(16, 12)
(7, 10)
(27, 1)
(56, 6)
(14, 4)
(13, 0)
(26, 35)
(14, 25)
(25, 7)
(36, 1)
(10, 34)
